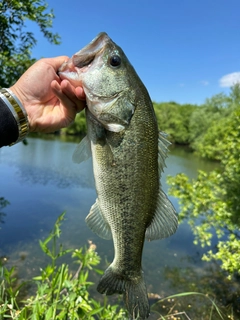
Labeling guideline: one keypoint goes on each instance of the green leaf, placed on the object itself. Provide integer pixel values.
(49, 313)
(16, 41)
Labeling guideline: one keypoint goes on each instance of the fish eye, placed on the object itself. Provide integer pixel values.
(115, 61)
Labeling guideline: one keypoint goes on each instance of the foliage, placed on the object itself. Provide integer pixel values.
(15, 42)
(200, 127)
(207, 144)
(200, 122)
(174, 119)
(59, 295)
(211, 202)
(207, 124)
(78, 127)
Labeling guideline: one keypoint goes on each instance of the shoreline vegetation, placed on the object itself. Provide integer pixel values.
(195, 126)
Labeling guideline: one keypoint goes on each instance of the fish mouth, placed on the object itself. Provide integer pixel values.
(83, 59)
(86, 55)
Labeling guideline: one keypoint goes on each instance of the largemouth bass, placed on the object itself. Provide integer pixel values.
(128, 155)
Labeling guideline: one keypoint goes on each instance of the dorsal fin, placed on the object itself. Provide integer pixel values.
(163, 145)
(165, 220)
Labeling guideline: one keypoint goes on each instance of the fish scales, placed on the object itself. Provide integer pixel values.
(121, 191)
(128, 156)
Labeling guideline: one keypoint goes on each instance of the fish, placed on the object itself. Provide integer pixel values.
(128, 154)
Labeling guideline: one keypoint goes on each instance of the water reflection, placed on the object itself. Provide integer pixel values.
(3, 204)
(44, 162)
(41, 181)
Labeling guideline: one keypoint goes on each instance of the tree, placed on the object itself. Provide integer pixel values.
(235, 94)
(16, 42)
(208, 122)
(174, 119)
(211, 202)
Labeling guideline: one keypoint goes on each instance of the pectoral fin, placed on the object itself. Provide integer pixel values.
(82, 151)
(97, 223)
(165, 221)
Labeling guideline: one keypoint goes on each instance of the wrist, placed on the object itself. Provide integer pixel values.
(18, 111)
(16, 89)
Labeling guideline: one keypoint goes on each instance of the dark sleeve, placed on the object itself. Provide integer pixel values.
(8, 126)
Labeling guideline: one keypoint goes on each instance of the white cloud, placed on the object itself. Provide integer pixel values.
(204, 83)
(230, 79)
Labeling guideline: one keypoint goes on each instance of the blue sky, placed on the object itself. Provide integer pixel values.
(181, 49)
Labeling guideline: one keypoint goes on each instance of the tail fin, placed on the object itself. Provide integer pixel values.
(134, 292)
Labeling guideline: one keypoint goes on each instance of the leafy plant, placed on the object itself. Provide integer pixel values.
(62, 295)
(211, 202)
(59, 294)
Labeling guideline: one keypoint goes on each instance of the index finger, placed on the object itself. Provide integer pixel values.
(56, 62)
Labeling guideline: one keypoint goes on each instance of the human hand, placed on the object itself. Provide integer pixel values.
(50, 103)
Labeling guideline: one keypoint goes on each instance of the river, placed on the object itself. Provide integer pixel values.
(40, 181)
